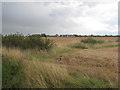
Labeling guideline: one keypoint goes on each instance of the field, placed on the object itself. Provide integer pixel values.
(69, 64)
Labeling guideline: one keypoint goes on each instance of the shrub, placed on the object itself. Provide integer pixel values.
(92, 41)
(27, 42)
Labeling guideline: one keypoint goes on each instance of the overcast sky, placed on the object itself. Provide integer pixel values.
(60, 18)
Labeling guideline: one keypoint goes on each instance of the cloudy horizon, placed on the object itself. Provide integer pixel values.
(83, 18)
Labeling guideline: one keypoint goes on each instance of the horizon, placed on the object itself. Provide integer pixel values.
(17, 33)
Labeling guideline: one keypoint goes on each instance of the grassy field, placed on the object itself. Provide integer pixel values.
(69, 64)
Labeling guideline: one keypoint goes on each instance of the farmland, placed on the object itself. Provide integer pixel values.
(71, 63)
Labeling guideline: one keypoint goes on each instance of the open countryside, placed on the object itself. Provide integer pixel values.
(69, 63)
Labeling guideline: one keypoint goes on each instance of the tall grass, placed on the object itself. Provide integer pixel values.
(45, 75)
(30, 67)
(12, 74)
(82, 81)
(19, 71)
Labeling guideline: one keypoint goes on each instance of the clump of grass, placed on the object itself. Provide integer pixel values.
(92, 41)
(79, 45)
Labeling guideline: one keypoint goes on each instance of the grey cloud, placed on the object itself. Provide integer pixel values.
(0, 17)
(42, 17)
(22, 15)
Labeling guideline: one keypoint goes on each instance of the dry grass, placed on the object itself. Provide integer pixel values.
(14, 54)
(63, 42)
(102, 63)
(44, 74)
(37, 74)
(93, 63)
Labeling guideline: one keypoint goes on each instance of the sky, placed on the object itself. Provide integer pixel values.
(0, 17)
(83, 18)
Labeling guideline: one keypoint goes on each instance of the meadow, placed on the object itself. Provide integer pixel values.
(60, 62)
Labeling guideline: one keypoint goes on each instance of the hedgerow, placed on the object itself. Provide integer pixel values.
(27, 42)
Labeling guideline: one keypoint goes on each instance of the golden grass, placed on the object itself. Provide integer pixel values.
(102, 63)
(63, 42)
(51, 74)
(15, 54)
(101, 73)
(39, 74)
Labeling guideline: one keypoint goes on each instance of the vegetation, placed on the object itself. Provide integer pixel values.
(87, 43)
(27, 42)
(75, 35)
(118, 40)
(30, 62)
(79, 80)
(19, 71)
(108, 46)
(79, 45)
(12, 75)
(92, 41)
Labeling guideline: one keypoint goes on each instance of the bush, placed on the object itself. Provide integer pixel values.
(27, 42)
(92, 41)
